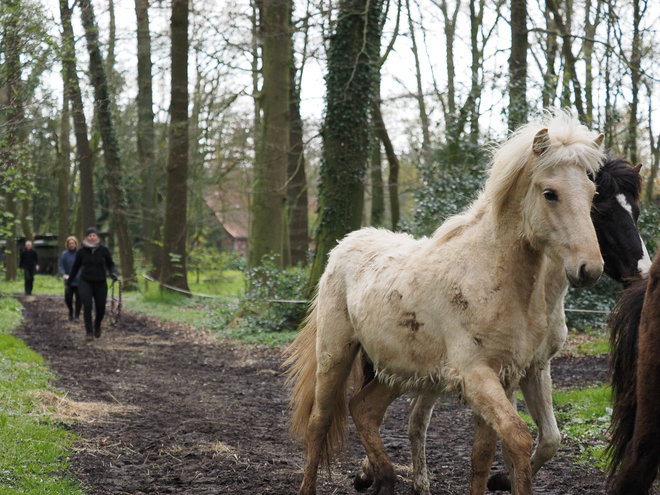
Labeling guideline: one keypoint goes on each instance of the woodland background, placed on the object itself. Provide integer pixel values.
(254, 134)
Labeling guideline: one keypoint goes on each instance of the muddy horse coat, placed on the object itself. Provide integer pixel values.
(464, 311)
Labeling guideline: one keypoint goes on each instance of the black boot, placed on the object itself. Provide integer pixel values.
(70, 315)
(97, 329)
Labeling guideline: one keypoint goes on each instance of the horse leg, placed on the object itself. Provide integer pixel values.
(332, 372)
(368, 408)
(536, 387)
(483, 451)
(484, 392)
(420, 416)
(500, 481)
(537, 391)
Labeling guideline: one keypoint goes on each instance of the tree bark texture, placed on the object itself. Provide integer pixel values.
(351, 80)
(570, 72)
(393, 179)
(297, 179)
(109, 139)
(175, 233)
(635, 79)
(145, 126)
(419, 96)
(518, 65)
(12, 75)
(270, 189)
(375, 162)
(63, 167)
(83, 149)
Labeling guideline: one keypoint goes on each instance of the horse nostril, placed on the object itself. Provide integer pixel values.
(583, 272)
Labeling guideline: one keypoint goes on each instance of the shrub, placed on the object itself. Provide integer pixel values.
(265, 305)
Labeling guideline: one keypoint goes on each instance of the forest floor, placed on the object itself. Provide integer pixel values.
(160, 408)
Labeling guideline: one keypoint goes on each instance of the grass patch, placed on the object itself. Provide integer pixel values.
(583, 416)
(33, 450)
(594, 348)
(43, 284)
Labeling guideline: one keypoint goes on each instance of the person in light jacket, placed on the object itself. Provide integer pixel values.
(96, 262)
(67, 258)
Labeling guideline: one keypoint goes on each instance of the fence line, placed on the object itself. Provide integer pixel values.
(302, 301)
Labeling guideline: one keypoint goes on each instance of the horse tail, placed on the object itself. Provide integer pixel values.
(301, 378)
(624, 335)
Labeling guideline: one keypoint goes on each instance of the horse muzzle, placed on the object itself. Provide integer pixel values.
(586, 275)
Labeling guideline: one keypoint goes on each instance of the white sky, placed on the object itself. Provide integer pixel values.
(398, 76)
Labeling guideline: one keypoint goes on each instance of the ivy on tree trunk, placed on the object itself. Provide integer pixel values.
(353, 55)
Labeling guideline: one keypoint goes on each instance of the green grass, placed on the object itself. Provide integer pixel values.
(43, 284)
(33, 450)
(582, 415)
(595, 347)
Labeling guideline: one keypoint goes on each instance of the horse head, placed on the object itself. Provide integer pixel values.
(556, 193)
(615, 212)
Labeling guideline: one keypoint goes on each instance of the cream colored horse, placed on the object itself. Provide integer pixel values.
(468, 310)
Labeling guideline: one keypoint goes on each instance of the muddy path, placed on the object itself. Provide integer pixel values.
(165, 409)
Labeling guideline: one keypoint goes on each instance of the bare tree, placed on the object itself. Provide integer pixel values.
(518, 65)
(267, 233)
(83, 148)
(174, 271)
(145, 126)
(352, 74)
(110, 143)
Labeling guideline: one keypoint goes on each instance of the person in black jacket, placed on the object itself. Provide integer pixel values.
(96, 261)
(29, 263)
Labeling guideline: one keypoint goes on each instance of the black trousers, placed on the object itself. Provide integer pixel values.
(69, 292)
(96, 293)
(29, 280)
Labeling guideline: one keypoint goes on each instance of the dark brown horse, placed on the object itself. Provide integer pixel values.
(634, 446)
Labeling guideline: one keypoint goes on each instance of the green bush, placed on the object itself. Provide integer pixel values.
(447, 188)
(265, 305)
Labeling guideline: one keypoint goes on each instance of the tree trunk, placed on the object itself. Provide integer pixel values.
(174, 271)
(83, 149)
(518, 65)
(11, 263)
(419, 96)
(110, 143)
(351, 80)
(375, 162)
(550, 79)
(635, 78)
(25, 222)
(10, 139)
(588, 54)
(270, 189)
(297, 189)
(570, 73)
(145, 126)
(393, 180)
(63, 166)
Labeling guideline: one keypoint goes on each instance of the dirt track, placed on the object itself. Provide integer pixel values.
(187, 414)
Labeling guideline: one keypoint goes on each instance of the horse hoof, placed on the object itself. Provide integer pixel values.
(499, 482)
(361, 482)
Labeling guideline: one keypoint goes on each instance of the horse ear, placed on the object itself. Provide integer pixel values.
(637, 167)
(541, 142)
(599, 140)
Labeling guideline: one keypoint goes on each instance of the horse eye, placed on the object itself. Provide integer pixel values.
(550, 195)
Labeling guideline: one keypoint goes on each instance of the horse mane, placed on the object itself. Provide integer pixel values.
(624, 323)
(617, 175)
(570, 141)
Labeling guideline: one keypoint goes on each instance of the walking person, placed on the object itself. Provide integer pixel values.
(96, 262)
(29, 263)
(67, 258)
